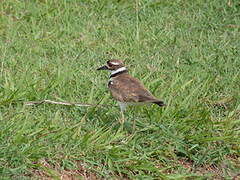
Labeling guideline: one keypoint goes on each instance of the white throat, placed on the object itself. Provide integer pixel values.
(118, 70)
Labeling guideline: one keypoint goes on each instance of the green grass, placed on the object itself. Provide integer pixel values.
(186, 51)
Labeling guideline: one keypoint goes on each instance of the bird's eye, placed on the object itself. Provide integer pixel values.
(109, 64)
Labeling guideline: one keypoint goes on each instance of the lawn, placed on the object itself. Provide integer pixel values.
(186, 52)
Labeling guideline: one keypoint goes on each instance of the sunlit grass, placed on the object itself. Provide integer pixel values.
(185, 52)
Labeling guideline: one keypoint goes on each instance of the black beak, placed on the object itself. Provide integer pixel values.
(103, 68)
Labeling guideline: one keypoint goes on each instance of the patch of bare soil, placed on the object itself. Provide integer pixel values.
(216, 172)
(47, 171)
(50, 172)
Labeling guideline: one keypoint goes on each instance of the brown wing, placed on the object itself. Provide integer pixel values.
(129, 89)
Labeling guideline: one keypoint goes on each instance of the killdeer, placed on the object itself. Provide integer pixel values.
(125, 88)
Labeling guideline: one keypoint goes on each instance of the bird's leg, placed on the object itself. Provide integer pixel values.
(122, 118)
(122, 109)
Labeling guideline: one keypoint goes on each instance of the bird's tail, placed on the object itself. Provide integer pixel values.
(159, 103)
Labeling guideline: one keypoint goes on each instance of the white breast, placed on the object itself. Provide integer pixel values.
(110, 82)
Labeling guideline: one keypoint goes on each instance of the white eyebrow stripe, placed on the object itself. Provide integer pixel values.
(114, 63)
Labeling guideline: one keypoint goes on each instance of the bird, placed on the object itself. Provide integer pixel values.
(126, 89)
